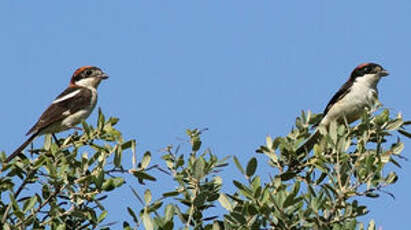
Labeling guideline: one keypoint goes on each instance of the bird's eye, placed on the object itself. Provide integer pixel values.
(88, 73)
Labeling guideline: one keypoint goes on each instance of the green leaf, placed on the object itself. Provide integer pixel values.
(333, 132)
(391, 178)
(127, 145)
(273, 157)
(16, 208)
(39, 162)
(291, 198)
(117, 156)
(126, 226)
(239, 217)
(113, 120)
(45, 191)
(371, 225)
(395, 162)
(146, 160)
(147, 196)
(397, 148)
(372, 195)
(277, 181)
(256, 183)
(144, 176)
(148, 223)
(315, 204)
(99, 179)
(218, 181)
(133, 151)
(383, 117)
(102, 216)
(251, 167)
(196, 144)
(321, 178)
(252, 210)
(30, 204)
(200, 199)
(86, 128)
(394, 124)
(61, 227)
(405, 133)
(225, 202)
(108, 185)
(155, 206)
(288, 175)
(101, 120)
(172, 193)
(198, 167)
(51, 169)
(168, 225)
(132, 214)
(169, 212)
(47, 141)
(112, 183)
(216, 226)
(243, 189)
(239, 185)
(269, 142)
(237, 163)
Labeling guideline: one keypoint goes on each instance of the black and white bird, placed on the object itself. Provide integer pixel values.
(351, 100)
(70, 107)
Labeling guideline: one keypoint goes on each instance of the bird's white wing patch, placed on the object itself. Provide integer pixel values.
(66, 113)
(68, 96)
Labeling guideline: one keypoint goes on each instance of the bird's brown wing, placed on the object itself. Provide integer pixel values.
(63, 107)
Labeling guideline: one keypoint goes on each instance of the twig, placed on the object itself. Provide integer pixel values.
(190, 215)
(158, 168)
(54, 194)
(3, 220)
(16, 194)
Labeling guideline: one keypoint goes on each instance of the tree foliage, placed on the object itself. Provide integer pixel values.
(63, 184)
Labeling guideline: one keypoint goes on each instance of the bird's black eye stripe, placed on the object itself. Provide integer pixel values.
(368, 68)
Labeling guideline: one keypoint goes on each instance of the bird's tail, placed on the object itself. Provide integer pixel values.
(21, 148)
(309, 143)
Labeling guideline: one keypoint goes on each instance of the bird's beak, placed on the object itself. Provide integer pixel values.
(384, 73)
(103, 76)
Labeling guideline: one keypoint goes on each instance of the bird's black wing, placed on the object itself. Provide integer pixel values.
(310, 142)
(344, 90)
(59, 110)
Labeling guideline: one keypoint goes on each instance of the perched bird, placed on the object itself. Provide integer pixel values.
(70, 107)
(351, 100)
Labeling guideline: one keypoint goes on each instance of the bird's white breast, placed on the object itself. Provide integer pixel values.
(72, 120)
(82, 114)
(363, 94)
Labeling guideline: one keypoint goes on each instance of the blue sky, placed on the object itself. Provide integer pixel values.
(243, 69)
